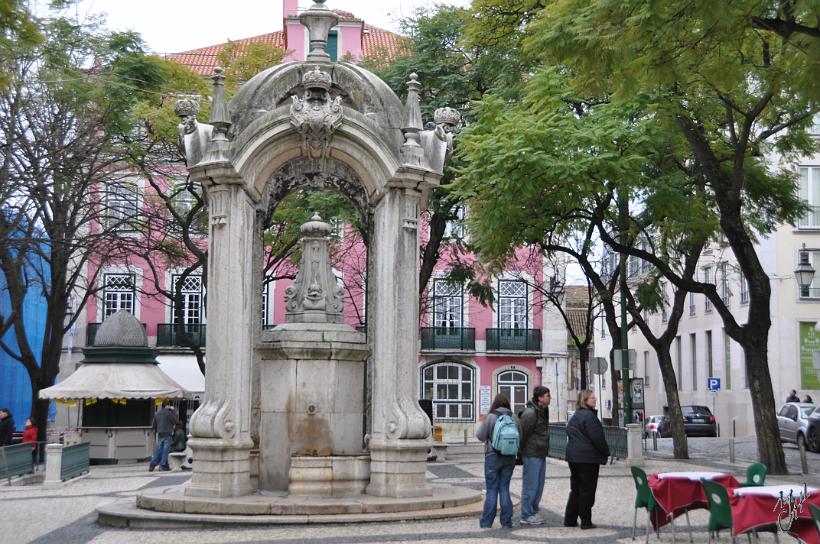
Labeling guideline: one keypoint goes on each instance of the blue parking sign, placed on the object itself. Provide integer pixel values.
(713, 384)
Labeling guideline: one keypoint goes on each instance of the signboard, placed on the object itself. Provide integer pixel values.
(712, 383)
(809, 345)
(484, 400)
(636, 387)
(598, 365)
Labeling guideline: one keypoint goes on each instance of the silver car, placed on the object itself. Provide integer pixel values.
(793, 420)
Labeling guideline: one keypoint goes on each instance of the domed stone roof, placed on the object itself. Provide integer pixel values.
(360, 90)
(121, 329)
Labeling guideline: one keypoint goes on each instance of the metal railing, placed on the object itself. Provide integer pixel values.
(168, 335)
(513, 340)
(15, 460)
(76, 460)
(460, 338)
(615, 439)
(558, 440)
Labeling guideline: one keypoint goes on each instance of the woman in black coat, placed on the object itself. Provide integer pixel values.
(586, 452)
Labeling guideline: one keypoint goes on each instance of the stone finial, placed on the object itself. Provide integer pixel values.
(314, 297)
(411, 151)
(220, 118)
(318, 20)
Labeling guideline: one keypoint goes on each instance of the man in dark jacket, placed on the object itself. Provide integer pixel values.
(164, 421)
(535, 445)
(6, 427)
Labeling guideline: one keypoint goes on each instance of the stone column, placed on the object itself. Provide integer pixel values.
(400, 429)
(220, 428)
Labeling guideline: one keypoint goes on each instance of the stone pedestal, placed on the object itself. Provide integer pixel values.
(312, 401)
(399, 468)
(634, 445)
(330, 476)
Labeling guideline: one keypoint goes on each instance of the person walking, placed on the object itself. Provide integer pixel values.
(6, 427)
(164, 421)
(498, 468)
(535, 445)
(793, 397)
(586, 451)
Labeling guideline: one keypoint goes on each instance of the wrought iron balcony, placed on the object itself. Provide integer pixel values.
(168, 335)
(513, 340)
(448, 338)
(811, 220)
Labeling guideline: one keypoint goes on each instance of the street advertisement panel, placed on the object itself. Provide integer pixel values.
(809, 369)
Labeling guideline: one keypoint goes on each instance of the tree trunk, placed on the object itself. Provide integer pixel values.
(680, 445)
(769, 448)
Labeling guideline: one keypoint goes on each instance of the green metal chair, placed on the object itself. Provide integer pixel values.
(645, 499)
(815, 516)
(755, 475)
(720, 514)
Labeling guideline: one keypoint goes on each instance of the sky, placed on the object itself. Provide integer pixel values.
(170, 26)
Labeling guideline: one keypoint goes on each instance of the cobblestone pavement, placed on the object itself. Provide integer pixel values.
(67, 515)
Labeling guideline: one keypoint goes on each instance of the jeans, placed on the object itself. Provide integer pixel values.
(583, 482)
(532, 485)
(498, 470)
(161, 450)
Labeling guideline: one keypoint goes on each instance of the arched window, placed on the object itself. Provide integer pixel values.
(514, 384)
(450, 386)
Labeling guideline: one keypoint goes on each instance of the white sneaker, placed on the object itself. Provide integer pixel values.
(533, 520)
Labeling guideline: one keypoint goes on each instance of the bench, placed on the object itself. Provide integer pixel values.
(176, 458)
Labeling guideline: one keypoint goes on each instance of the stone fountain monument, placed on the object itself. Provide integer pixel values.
(285, 413)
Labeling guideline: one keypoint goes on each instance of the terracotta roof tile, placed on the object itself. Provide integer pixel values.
(375, 41)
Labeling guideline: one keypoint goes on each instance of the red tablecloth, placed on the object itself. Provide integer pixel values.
(676, 494)
(751, 510)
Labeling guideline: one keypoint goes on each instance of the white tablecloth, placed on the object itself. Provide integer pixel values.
(694, 476)
(775, 490)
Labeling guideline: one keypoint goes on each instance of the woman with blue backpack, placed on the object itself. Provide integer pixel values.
(501, 434)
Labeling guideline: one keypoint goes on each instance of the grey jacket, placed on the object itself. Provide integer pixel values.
(164, 421)
(535, 436)
(485, 430)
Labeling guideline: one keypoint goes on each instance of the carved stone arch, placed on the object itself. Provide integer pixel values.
(275, 142)
(303, 173)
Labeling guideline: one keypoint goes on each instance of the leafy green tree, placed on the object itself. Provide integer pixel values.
(65, 130)
(717, 87)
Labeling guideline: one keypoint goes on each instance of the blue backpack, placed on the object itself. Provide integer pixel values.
(505, 435)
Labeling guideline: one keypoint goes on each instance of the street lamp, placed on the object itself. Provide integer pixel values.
(804, 273)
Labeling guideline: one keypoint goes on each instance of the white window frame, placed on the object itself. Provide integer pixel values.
(449, 407)
(116, 295)
(512, 385)
(809, 187)
(707, 278)
(123, 201)
(193, 300)
(447, 305)
(510, 317)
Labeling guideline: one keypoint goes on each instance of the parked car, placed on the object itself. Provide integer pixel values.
(813, 431)
(653, 424)
(793, 422)
(698, 420)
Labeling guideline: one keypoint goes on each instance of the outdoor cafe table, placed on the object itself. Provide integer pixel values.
(679, 492)
(756, 507)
